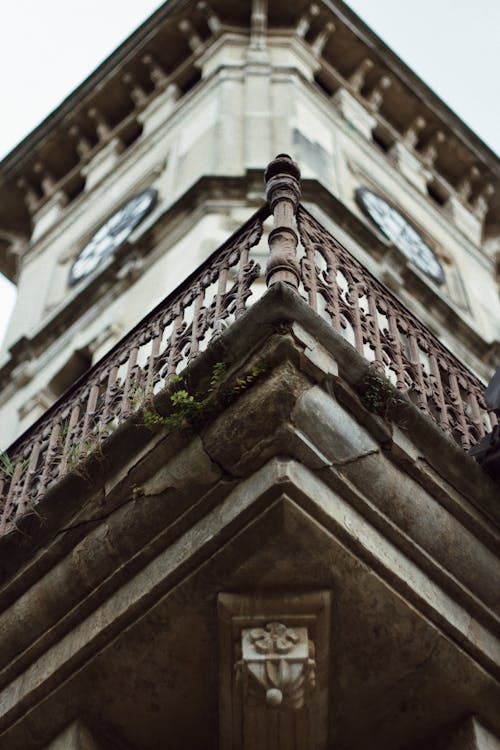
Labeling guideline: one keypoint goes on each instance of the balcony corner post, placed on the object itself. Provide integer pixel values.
(282, 178)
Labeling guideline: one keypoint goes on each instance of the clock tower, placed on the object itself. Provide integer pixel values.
(257, 268)
(113, 233)
(157, 157)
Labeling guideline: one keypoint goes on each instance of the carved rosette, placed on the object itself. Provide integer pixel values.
(277, 666)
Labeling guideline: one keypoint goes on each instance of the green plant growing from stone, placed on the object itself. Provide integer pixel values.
(189, 411)
(76, 453)
(8, 468)
(378, 394)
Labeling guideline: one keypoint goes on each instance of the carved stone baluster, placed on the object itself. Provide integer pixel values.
(430, 150)
(137, 93)
(102, 127)
(192, 36)
(411, 136)
(31, 198)
(283, 194)
(357, 79)
(319, 43)
(213, 21)
(466, 184)
(82, 144)
(376, 97)
(481, 203)
(156, 72)
(305, 20)
(47, 181)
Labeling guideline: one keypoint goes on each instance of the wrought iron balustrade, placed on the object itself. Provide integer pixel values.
(324, 273)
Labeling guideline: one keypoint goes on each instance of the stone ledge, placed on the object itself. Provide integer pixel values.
(384, 492)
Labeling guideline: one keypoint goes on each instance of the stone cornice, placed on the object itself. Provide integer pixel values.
(397, 66)
(107, 105)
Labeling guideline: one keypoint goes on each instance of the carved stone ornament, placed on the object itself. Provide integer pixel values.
(277, 666)
(274, 670)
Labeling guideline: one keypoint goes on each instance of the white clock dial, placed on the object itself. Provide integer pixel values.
(112, 234)
(401, 233)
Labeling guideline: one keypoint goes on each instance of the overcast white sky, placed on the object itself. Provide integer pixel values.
(48, 47)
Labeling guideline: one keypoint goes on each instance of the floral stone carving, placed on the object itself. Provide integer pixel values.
(277, 666)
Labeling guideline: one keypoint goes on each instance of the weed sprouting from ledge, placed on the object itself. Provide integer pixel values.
(189, 411)
(379, 395)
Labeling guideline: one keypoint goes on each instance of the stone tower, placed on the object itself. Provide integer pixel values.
(238, 509)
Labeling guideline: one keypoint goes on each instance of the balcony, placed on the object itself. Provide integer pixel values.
(407, 361)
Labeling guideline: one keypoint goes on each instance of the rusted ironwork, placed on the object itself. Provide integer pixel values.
(336, 286)
(387, 334)
(139, 366)
(282, 179)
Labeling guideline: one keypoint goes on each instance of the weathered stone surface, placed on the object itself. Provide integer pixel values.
(189, 467)
(327, 424)
(243, 438)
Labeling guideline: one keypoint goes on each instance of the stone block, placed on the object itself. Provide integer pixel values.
(327, 424)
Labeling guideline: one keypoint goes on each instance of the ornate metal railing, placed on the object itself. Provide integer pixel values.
(335, 285)
(386, 333)
(140, 365)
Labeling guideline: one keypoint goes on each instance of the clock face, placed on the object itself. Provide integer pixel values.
(401, 233)
(112, 234)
